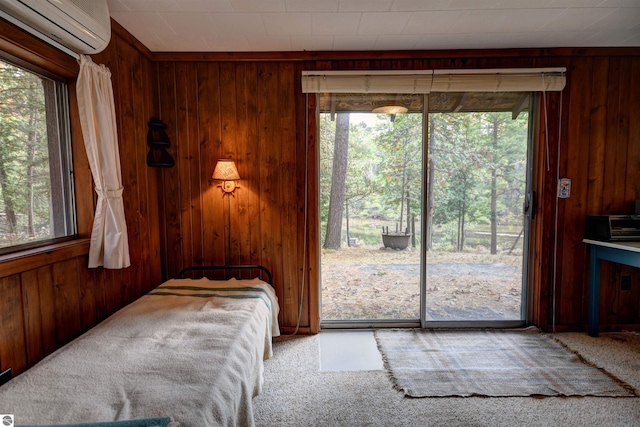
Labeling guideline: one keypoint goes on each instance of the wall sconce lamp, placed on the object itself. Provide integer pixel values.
(227, 172)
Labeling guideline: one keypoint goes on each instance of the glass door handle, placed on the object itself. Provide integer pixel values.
(530, 205)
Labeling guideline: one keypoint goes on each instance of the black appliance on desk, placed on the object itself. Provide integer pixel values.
(612, 227)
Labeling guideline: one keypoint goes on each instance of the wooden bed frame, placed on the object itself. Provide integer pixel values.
(182, 273)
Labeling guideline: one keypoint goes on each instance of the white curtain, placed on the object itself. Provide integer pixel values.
(109, 241)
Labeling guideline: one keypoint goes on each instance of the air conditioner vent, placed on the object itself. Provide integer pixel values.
(82, 26)
(97, 11)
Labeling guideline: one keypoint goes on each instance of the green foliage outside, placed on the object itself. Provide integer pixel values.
(24, 158)
(468, 150)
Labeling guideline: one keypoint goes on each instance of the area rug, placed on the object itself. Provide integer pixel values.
(526, 362)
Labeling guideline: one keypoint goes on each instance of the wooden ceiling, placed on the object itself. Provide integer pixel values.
(440, 102)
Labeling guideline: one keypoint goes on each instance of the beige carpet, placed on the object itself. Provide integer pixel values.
(297, 393)
(441, 363)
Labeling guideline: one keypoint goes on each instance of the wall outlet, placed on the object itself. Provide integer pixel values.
(625, 283)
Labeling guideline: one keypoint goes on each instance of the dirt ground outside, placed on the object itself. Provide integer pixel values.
(364, 283)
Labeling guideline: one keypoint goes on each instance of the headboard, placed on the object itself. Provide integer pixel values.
(200, 271)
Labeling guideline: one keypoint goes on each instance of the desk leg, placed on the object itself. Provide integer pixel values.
(594, 292)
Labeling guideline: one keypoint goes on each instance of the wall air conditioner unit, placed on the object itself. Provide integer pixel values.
(82, 26)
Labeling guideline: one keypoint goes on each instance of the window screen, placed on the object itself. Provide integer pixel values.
(36, 194)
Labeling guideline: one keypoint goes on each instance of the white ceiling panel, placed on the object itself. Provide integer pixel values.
(143, 5)
(342, 25)
(261, 6)
(312, 5)
(569, 38)
(396, 42)
(227, 44)
(356, 42)
(383, 23)
(575, 3)
(522, 4)
(621, 3)
(614, 38)
(290, 24)
(519, 20)
(578, 19)
(472, 4)
(436, 22)
(171, 5)
(504, 21)
(365, 5)
(479, 21)
(186, 24)
(312, 43)
(420, 5)
(622, 19)
(147, 33)
(327, 24)
(448, 41)
(183, 44)
(631, 41)
(228, 25)
(203, 6)
(270, 43)
(155, 24)
(502, 41)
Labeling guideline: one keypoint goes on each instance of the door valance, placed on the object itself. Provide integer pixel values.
(426, 81)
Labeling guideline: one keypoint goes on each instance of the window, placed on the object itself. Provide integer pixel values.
(36, 193)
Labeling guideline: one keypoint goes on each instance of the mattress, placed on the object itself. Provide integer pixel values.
(192, 350)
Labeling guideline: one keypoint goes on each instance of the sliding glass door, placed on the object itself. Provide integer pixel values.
(371, 171)
(421, 207)
(478, 175)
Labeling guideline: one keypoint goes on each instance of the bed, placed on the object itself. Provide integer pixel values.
(191, 350)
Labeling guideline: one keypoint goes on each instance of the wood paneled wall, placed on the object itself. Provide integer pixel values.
(600, 152)
(251, 108)
(49, 295)
(253, 111)
(250, 112)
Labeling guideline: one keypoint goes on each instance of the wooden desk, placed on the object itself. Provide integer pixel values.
(621, 252)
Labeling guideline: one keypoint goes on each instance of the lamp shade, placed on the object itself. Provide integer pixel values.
(390, 109)
(226, 170)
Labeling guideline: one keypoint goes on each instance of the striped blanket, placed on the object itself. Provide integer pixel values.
(232, 288)
(192, 350)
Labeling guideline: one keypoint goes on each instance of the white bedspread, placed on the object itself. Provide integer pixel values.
(191, 349)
